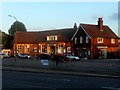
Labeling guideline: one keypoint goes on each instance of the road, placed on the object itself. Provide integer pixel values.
(15, 79)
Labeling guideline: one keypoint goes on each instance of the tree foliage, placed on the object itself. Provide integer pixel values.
(6, 40)
(16, 26)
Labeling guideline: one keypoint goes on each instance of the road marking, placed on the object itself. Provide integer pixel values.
(112, 88)
(68, 80)
(48, 78)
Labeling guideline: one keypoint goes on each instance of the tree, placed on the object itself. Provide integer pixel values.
(17, 26)
(5, 40)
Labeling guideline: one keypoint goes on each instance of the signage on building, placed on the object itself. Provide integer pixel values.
(35, 49)
(102, 47)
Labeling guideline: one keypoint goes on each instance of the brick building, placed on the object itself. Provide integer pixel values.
(87, 41)
(95, 41)
(52, 41)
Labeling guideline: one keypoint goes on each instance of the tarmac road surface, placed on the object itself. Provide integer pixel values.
(17, 79)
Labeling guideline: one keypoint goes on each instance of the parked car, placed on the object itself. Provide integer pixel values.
(72, 57)
(43, 56)
(2, 55)
(24, 56)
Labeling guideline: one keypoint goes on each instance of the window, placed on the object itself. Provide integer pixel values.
(27, 49)
(112, 40)
(100, 40)
(87, 39)
(60, 48)
(81, 39)
(75, 40)
(55, 37)
(44, 48)
(19, 48)
(48, 38)
(51, 38)
(68, 49)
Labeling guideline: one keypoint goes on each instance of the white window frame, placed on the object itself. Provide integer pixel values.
(56, 38)
(75, 40)
(112, 40)
(60, 48)
(99, 40)
(87, 39)
(68, 49)
(48, 38)
(51, 38)
(19, 48)
(27, 48)
(44, 49)
(81, 39)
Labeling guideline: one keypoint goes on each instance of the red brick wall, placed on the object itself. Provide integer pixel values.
(106, 42)
(32, 46)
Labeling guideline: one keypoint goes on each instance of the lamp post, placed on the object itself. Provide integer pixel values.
(14, 33)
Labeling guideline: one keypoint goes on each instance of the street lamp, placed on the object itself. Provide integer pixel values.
(13, 17)
(14, 35)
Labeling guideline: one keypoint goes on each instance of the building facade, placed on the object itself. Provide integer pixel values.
(119, 47)
(96, 41)
(87, 41)
(50, 42)
(8, 52)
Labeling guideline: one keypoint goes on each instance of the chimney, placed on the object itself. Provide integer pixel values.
(75, 26)
(100, 24)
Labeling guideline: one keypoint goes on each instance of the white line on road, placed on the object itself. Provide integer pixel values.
(68, 80)
(112, 88)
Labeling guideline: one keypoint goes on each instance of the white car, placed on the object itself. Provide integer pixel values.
(72, 57)
(24, 56)
(2, 55)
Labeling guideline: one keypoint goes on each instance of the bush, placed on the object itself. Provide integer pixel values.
(60, 58)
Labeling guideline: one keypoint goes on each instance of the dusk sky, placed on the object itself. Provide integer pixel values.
(38, 16)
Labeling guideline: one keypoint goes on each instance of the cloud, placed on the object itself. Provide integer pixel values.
(114, 16)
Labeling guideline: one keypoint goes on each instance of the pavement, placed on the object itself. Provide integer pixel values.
(24, 69)
(96, 68)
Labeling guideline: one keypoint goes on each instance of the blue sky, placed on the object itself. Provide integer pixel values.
(52, 15)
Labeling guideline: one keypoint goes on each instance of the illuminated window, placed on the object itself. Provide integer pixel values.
(60, 48)
(44, 49)
(27, 49)
(68, 49)
(112, 40)
(100, 40)
(51, 38)
(48, 38)
(19, 48)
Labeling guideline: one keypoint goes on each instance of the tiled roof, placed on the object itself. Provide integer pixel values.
(93, 31)
(41, 36)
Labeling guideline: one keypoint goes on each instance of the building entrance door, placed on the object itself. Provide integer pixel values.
(84, 53)
(52, 49)
(104, 53)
